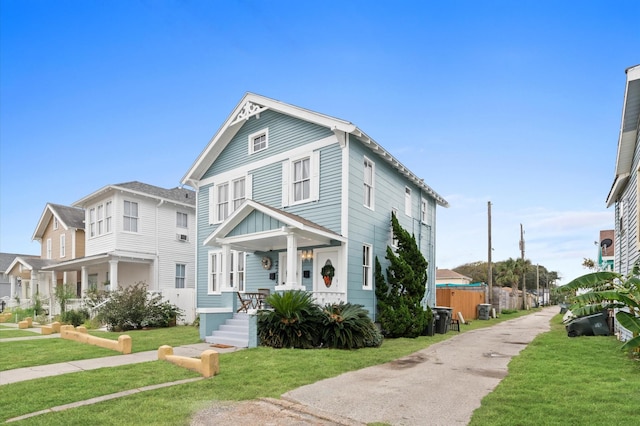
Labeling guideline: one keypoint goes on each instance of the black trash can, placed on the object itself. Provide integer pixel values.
(444, 319)
(431, 325)
(590, 325)
(484, 311)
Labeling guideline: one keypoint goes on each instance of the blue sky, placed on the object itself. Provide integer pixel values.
(514, 102)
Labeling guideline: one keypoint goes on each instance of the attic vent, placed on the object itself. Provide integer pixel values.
(182, 237)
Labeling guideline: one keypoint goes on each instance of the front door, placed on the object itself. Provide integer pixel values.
(327, 272)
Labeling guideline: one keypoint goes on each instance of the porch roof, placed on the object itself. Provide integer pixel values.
(75, 264)
(307, 232)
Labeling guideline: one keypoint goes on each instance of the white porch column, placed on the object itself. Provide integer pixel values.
(34, 284)
(292, 259)
(113, 275)
(84, 279)
(12, 291)
(225, 267)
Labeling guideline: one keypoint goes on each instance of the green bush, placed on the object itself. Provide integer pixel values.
(508, 311)
(132, 308)
(75, 317)
(348, 326)
(295, 321)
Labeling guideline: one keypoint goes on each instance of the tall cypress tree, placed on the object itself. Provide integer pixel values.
(400, 311)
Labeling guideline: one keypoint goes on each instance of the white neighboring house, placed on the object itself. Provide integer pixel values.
(135, 232)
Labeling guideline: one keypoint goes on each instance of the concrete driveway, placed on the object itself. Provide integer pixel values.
(440, 385)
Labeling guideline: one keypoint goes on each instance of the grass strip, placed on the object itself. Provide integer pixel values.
(7, 333)
(559, 380)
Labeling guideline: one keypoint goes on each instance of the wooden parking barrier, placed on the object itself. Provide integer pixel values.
(26, 323)
(80, 334)
(5, 316)
(208, 365)
(54, 327)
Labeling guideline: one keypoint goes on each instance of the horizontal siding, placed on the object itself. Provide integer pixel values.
(170, 250)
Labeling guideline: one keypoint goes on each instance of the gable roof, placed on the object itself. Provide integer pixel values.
(176, 195)
(628, 134)
(448, 274)
(32, 263)
(7, 258)
(68, 217)
(252, 105)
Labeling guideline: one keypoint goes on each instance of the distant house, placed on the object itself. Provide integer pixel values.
(292, 199)
(60, 232)
(6, 259)
(623, 195)
(447, 276)
(606, 250)
(626, 185)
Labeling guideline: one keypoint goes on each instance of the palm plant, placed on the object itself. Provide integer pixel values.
(348, 326)
(609, 290)
(293, 322)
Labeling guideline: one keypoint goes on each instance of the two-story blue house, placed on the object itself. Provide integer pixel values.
(284, 195)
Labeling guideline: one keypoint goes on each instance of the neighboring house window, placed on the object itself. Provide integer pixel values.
(366, 266)
(407, 201)
(63, 245)
(92, 222)
(238, 192)
(100, 218)
(55, 223)
(223, 202)
(368, 183)
(107, 216)
(424, 211)
(130, 217)
(214, 271)
(48, 248)
(182, 220)
(93, 281)
(181, 270)
(258, 141)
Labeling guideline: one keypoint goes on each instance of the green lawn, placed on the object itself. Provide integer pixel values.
(554, 381)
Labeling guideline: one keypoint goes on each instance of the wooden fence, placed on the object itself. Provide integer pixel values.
(465, 301)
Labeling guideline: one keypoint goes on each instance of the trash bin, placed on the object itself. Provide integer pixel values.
(590, 325)
(564, 307)
(431, 325)
(484, 311)
(444, 319)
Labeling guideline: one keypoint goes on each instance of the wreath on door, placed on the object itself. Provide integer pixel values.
(327, 272)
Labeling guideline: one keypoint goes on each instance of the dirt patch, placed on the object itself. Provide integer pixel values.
(408, 361)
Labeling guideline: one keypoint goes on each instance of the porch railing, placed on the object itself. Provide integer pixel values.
(329, 297)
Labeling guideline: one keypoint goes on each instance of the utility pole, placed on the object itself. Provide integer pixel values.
(537, 284)
(489, 249)
(524, 285)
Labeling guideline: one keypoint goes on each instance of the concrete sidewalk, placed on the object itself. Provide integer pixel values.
(36, 372)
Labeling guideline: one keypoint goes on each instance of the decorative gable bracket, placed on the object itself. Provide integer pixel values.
(248, 110)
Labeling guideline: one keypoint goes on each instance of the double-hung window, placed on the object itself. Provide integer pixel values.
(368, 183)
(424, 211)
(182, 220)
(301, 179)
(107, 216)
(63, 245)
(130, 217)
(236, 272)
(215, 271)
(181, 270)
(49, 250)
(92, 222)
(235, 267)
(222, 206)
(100, 214)
(366, 267)
(407, 201)
(239, 186)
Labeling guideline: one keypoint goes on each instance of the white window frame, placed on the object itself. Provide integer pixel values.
(256, 135)
(49, 248)
(181, 275)
(182, 220)
(369, 183)
(92, 222)
(407, 201)
(100, 219)
(63, 245)
(288, 183)
(237, 270)
(222, 205)
(367, 267)
(55, 223)
(107, 217)
(233, 198)
(214, 272)
(130, 218)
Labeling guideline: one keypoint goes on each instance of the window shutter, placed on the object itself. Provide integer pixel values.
(212, 204)
(285, 183)
(315, 176)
